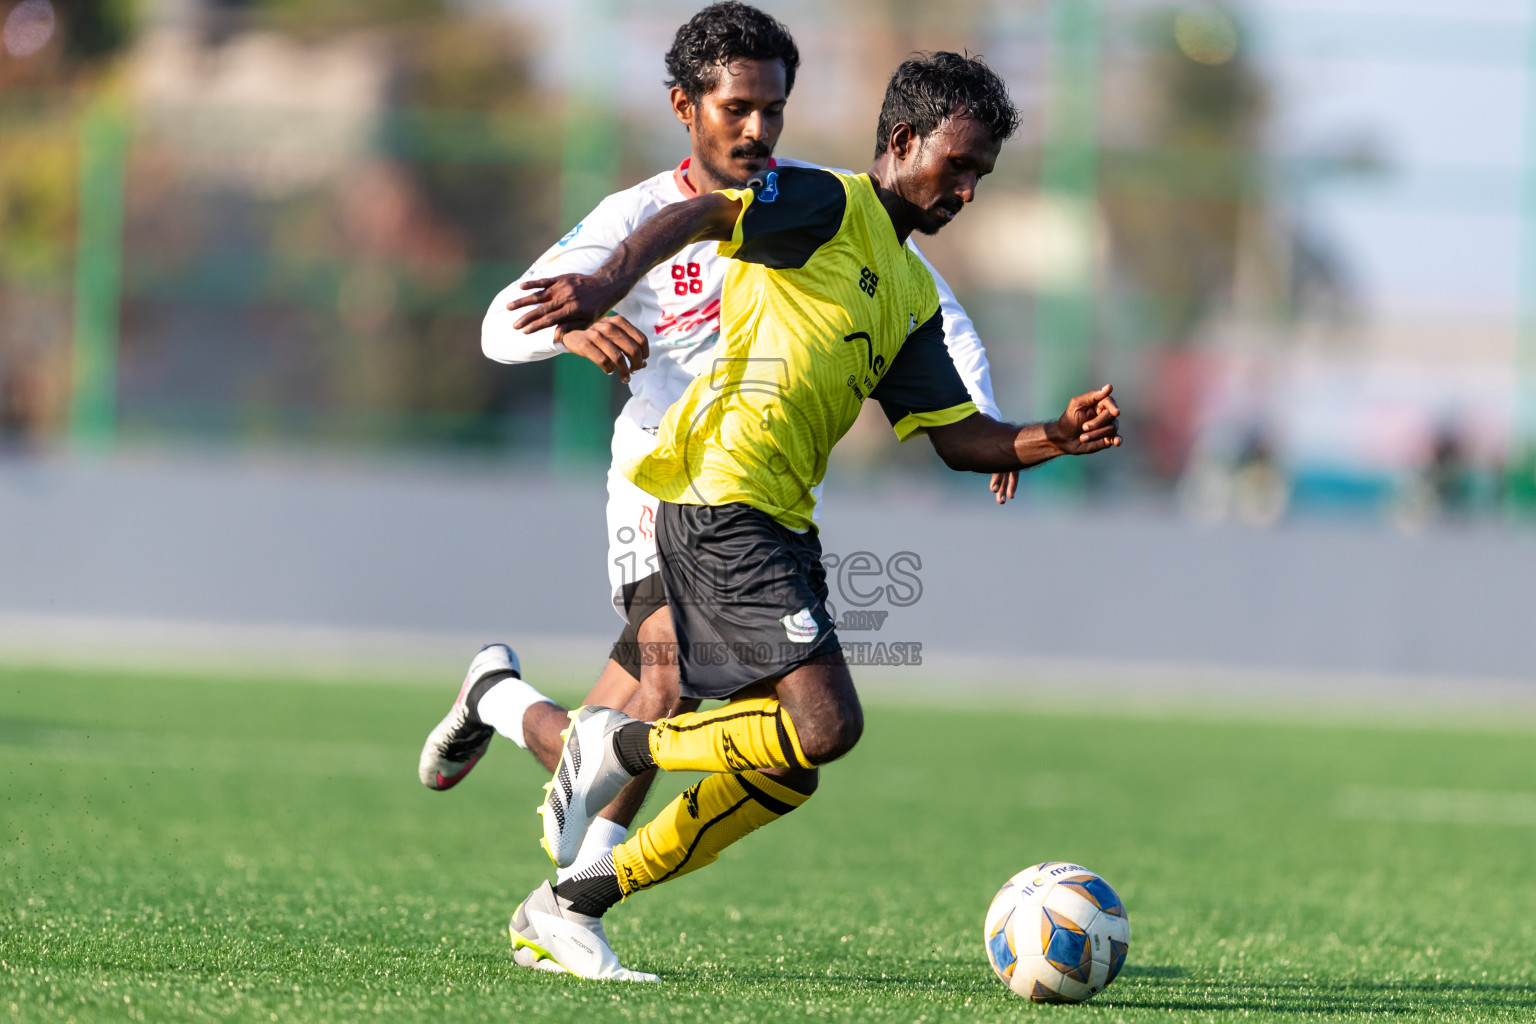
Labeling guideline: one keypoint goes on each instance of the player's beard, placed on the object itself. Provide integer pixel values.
(927, 221)
(924, 219)
(745, 151)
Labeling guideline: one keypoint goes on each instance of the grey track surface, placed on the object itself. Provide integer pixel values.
(401, 557)
(1108, 586)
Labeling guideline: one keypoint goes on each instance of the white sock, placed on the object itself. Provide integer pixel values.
(599, 842)
(502, 707)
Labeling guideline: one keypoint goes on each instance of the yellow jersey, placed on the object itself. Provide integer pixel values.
(822, 308)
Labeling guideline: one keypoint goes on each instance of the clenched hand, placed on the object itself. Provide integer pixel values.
(1090, 424)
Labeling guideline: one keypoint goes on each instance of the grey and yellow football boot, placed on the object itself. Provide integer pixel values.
(550, 937)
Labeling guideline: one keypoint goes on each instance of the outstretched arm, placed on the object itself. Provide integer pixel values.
(575, 301)
(981, 444)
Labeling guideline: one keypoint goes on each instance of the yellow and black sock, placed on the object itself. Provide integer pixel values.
(692, 830)
(743, 735)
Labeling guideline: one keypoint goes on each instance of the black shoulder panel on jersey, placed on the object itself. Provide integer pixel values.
(922, 377)
(796, 211)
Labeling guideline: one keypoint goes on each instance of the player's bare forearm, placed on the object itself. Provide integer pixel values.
(706, 218)
(980, 444)
(574, 301)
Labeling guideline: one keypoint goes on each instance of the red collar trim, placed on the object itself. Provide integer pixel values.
(680, 177)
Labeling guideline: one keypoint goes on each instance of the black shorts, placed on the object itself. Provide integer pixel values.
(641, 598)
(748, 596)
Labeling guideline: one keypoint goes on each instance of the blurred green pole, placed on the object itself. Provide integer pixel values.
(1069, 185)
(1520, 478)
(98, 278)
(589, 170)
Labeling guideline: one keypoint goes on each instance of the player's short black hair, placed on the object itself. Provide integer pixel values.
(930, 88)
(722, 33)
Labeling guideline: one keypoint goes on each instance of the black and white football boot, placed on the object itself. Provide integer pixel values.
(460, 739)
(589, 776)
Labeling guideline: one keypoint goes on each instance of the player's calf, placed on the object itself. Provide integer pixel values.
(688, 834)
(691, 832)
(605, 748)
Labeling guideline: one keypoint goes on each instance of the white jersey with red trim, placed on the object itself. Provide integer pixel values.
(677, 307)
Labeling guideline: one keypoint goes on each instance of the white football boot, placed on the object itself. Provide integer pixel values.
(549, 937)
(588, 778)
(460, 740)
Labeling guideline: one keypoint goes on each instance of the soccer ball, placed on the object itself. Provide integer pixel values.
(1057, 933)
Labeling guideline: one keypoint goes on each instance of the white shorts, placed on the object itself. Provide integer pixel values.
(631, 513)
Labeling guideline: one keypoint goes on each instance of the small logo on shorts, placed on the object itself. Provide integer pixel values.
(801, 627)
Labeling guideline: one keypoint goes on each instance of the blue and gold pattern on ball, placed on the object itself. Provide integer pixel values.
(1000, 948)
(1096, 891)
(1057, 933)
(1065, 944)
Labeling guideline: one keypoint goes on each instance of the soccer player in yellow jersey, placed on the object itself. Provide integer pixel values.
(824, 306)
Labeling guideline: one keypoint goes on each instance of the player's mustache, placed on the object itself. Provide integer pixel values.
(951, 204)
(748, 150)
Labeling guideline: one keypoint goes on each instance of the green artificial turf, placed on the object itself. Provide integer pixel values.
(258, 850)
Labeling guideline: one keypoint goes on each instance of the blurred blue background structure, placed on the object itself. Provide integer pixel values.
(1297, 235)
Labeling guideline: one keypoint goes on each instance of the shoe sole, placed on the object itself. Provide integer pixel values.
(436, 740)
(543, 956)
(441, 783)
(539, 952)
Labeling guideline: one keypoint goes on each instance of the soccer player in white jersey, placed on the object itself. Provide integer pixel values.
(731, 69)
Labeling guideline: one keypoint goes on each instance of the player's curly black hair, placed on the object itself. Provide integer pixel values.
(930, 88)
(722, 33)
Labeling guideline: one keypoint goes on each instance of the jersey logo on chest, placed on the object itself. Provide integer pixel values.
(868, 282)
(874, 364)
(687, 279)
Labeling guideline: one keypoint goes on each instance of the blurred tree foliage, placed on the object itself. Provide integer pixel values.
(42, 94)
(37, 204)
(94, 30)
(1204, 222)
(331, 17)
(413, 236)
(1177, 198)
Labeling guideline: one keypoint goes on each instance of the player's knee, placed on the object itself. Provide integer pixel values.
(833, 736)
(850, 728)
